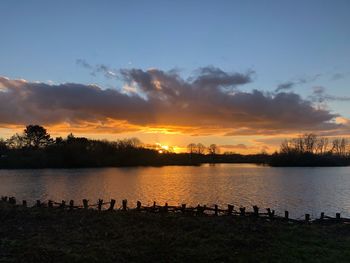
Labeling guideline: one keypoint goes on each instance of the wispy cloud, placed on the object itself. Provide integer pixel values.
(320, 95)
(108, 72)
(288, 85)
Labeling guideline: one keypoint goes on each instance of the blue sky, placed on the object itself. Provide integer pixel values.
(282, 41)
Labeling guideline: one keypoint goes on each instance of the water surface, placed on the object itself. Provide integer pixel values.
(298, 190)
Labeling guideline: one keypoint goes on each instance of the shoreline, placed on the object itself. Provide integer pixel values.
(45, 235)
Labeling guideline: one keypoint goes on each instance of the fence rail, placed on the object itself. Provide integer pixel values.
(199, 210)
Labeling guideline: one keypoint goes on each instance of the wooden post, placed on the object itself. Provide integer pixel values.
(322, 216)
(38, 203)
(166, 208)
(71, 204)
(242, 211)
(124, 204)
(63, 204)
(337, 216)
(50, 204)
(99, 204)
(216, 211)
(229, 209)
(138, 205)
(286, 214)
(307, 218)
(183, 208)
(12, 200)
(200, 210)
(111, 207)
(85, 203)
(270, 213)
(256, 210)
(24, 203)
(154, 205)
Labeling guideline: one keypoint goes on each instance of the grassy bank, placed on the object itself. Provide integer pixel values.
(41, 235)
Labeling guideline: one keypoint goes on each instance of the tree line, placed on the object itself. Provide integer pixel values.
(200, 148)
(35, 148)
(312, 150)
(311, 143)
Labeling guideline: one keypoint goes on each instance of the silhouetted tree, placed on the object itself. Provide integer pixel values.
(16, 142)
(3, 146)
(192, 148)
(213, 149)
(200, 148)
(36, 136)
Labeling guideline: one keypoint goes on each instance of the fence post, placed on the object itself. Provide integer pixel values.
(85, 203)
(322, 216)
(50, 204)
(183, 208)
(307, 218)
(111, 207)
(286, 214)
(24, 203)
(256, 210)
(242, 211)
(99, 204)
(337, 216)
(12, 200)
(229, 209)
(138, 205)
(71, 204)
(166, 208)
(63, 204)
(124, 204)
(216, 211)
(270, 213)
(38, 203)
(200, 210)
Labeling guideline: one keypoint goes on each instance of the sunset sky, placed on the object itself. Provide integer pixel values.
(241, 74)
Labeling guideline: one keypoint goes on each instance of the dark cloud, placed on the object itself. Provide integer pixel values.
(199, 105)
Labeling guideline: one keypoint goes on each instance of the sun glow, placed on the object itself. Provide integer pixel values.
(164, 148)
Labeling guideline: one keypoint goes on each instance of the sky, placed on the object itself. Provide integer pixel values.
(241, 74)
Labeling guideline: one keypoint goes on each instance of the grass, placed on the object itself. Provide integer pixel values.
(43, 235)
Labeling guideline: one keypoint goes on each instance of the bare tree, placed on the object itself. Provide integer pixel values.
(322, 145)
(310, 141)
(213, 149)
(200, 148)
(192, 148)
(339, 147)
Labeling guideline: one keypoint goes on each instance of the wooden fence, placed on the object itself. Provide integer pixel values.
(199, 210)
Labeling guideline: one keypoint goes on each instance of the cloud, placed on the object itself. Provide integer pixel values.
(100, 68)
(319, 95)
(285, 86)
(291, 84)
(209, 102)
(339, 75)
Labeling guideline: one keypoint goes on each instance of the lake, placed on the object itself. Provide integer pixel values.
(298, 190)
